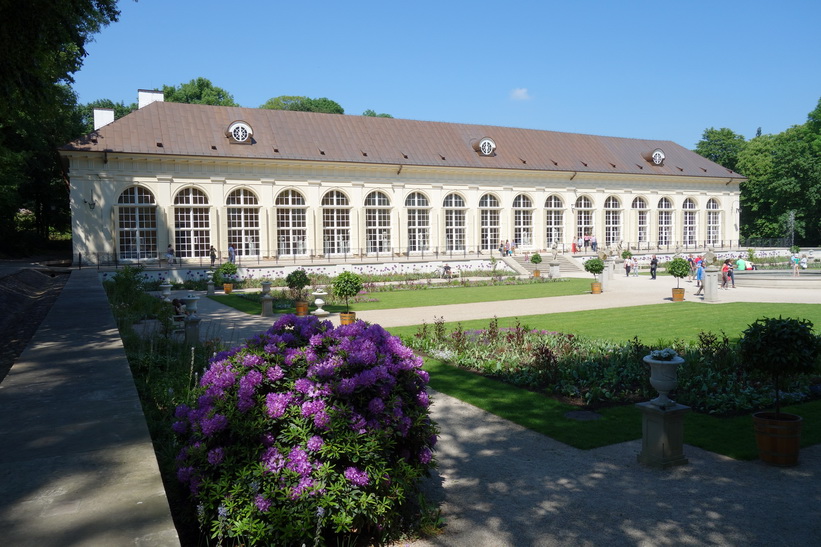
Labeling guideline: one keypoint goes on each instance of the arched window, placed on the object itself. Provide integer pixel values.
(612, 221)
(523, 221)
(554, 220)
(192, 224)
(336, 223)
(377, 223)
(243, 222)
(642, 219)
(454, 207)
(665, 207)
(489, 219)
(291, 223)
(688, 235)
(137, 224)
(713, 222)
(584, 217)
(418, 209)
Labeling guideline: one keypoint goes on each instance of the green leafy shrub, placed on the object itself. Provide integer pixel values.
(678, 268)
(594, 266)
(297, 280)
(347, 285)
(308, 435)
(625, 254)
(226, 273)
(536, 258)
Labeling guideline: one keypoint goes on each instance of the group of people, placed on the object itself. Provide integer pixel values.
(631, 265)
(798, 264)
(585, 241)
(507, 248)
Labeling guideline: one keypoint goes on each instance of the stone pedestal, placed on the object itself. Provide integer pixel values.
(267, 305)
(210, 288)
(190, 302)
(662, 435)
(554, 270)
(711, 282)
(192, 330)
(609, 268)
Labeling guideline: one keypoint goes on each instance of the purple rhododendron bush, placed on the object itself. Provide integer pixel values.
(308, 434)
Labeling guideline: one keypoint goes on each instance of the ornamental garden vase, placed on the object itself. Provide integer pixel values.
(663, 378)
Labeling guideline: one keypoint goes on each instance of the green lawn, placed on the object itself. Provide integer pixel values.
(653, 323)
(732, 436)
(437, 295)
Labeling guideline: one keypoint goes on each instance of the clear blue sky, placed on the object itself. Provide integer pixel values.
(625, 68)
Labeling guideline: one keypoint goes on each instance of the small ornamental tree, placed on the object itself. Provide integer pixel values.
(594, 266)
(781, 349)
(536, 259)
(226, 273)
(347, 285)
(625, 254)
(297, 280)
(308, 434)
(678, 268)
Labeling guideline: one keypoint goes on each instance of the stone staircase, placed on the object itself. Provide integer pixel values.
(566, 265)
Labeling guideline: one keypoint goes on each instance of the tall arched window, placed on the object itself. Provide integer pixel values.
(377, 223)
(688, 235)
(336, 223)
(243, 222)
(665, 207)
(291, 223)
(713, 222)
(554, 221)
(642, 225)
(523, 220)
(489, 218)
(584, 217)
(137, 224)
(612, 221)
(454, 207)
(192, 235)
(418, 209)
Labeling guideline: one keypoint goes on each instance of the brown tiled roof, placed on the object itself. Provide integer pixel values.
(176, 129)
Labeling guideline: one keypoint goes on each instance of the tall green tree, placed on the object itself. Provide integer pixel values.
(721, 146)
(303, 104)
(198, 91)
(42, 44)
(373, 114)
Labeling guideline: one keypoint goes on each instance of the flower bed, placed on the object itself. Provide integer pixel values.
(594, 372)
(307, 433)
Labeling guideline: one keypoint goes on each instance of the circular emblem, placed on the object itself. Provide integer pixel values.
(658, 156)
(240, 132)
(487, 146)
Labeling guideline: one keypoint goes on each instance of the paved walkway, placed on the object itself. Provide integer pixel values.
(78, 468)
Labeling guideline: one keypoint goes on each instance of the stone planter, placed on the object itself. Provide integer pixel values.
(664, 379)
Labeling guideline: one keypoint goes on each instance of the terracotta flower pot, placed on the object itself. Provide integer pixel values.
(227, 287)
(347, 318)
(595, 287)
(678, 295)
(537, 273)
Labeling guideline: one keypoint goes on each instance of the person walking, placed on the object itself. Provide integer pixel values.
(635, 267)
(725, 277)
(628, 262)
(654, 264)
(700, 277)
(212, 252)
(594, 244)
(169, 254)
(232, 254)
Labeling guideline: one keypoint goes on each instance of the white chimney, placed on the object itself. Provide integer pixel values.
(147, 96)
(103, 116)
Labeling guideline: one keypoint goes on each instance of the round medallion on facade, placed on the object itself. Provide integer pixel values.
(485, 146)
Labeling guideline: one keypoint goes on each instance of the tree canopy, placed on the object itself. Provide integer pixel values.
(198, 91)
(303, 104)
(721, 146)
(373, 114)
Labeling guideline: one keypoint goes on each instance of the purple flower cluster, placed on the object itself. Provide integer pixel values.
(284, 411)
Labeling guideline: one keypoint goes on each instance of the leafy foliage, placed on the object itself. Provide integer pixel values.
(198, 91)
(297, 280)
(303, 104)
(307, 434)
(722, 146)
(678, 268)
(536, 258)
(594, 266)
(347, 285)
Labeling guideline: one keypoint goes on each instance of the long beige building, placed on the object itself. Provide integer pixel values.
(297, 184)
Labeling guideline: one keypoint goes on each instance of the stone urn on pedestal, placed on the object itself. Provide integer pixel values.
(662, 426)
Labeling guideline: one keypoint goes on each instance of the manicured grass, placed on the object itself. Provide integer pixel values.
(437, 295)
(652, 323)
(731, 436)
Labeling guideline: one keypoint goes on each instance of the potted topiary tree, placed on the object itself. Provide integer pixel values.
(536, 259)
(678, 268)
(781, 349)
(297, 280)
(595, 266)
(227, 275)
(347, 285)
